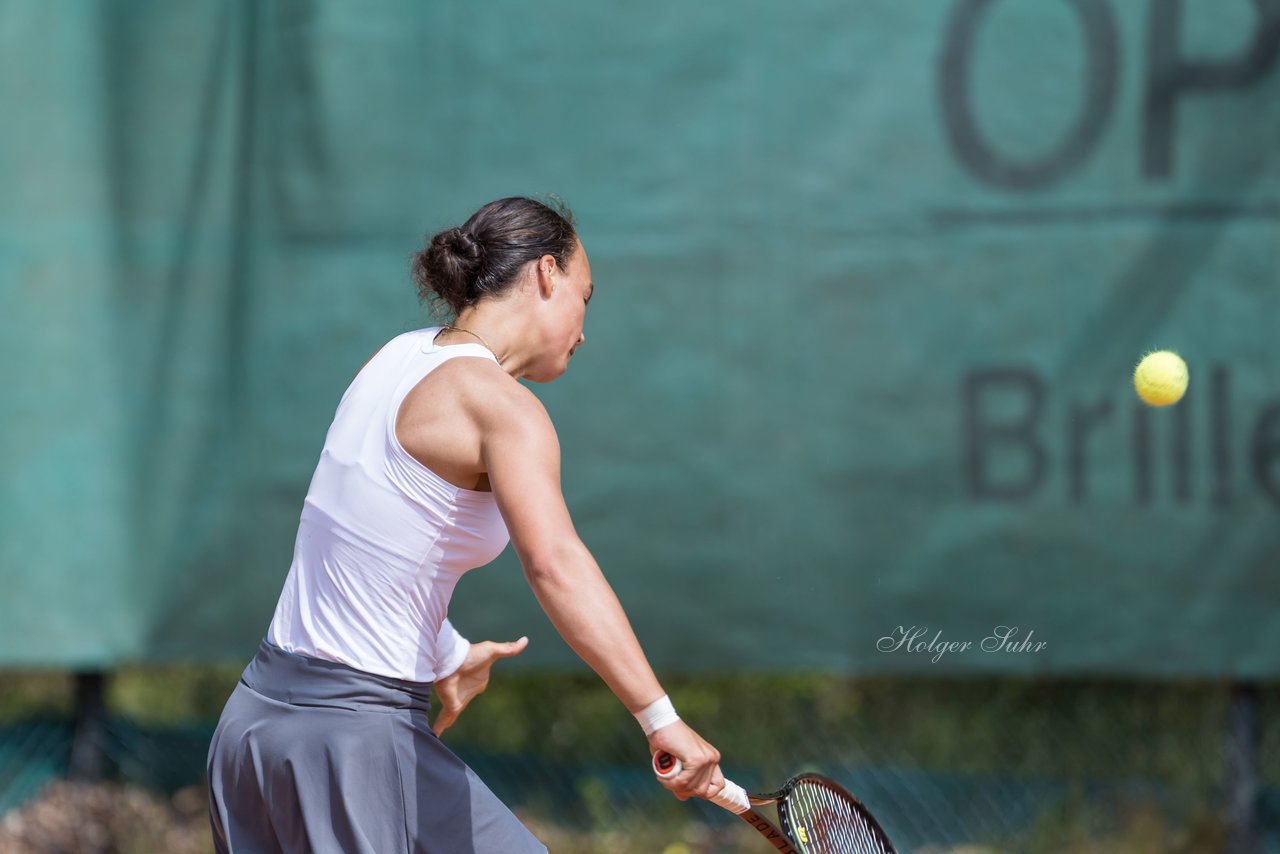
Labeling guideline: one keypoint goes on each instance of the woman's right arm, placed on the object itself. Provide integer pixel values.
(521, 454)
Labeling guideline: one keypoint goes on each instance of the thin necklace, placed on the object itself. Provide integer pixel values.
(475, 335)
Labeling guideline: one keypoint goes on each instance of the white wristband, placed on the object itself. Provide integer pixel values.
(656, 715)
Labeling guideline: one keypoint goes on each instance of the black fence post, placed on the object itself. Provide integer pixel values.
(88, 761)
(1244, 739)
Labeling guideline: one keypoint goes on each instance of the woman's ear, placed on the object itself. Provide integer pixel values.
(544, 271)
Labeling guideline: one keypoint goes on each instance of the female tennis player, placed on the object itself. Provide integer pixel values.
(436, 457)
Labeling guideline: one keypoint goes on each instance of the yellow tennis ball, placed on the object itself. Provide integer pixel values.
(1161, 378)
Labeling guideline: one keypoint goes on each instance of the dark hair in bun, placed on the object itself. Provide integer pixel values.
(459, 266)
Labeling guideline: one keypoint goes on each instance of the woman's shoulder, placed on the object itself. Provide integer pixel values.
(492, 396)
(479, 383)
(483, 381)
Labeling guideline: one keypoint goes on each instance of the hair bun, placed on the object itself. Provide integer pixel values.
(450, 266)
(468, 251)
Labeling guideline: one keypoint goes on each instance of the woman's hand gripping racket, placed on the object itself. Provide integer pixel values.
(817, 815)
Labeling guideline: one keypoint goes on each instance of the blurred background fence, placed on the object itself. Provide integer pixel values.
(975, 765)
(870, 281)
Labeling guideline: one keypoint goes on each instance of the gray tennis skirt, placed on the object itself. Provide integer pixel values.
(312, 755)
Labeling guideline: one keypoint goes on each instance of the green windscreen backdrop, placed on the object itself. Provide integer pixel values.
(871, 280)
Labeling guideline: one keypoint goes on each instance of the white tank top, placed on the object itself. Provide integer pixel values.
(383, 539)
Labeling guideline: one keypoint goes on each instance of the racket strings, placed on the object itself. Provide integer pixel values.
(824, 821)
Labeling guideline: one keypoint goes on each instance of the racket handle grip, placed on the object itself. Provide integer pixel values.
(732, 797)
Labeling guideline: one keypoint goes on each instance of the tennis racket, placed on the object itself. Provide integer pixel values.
(817, 815)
